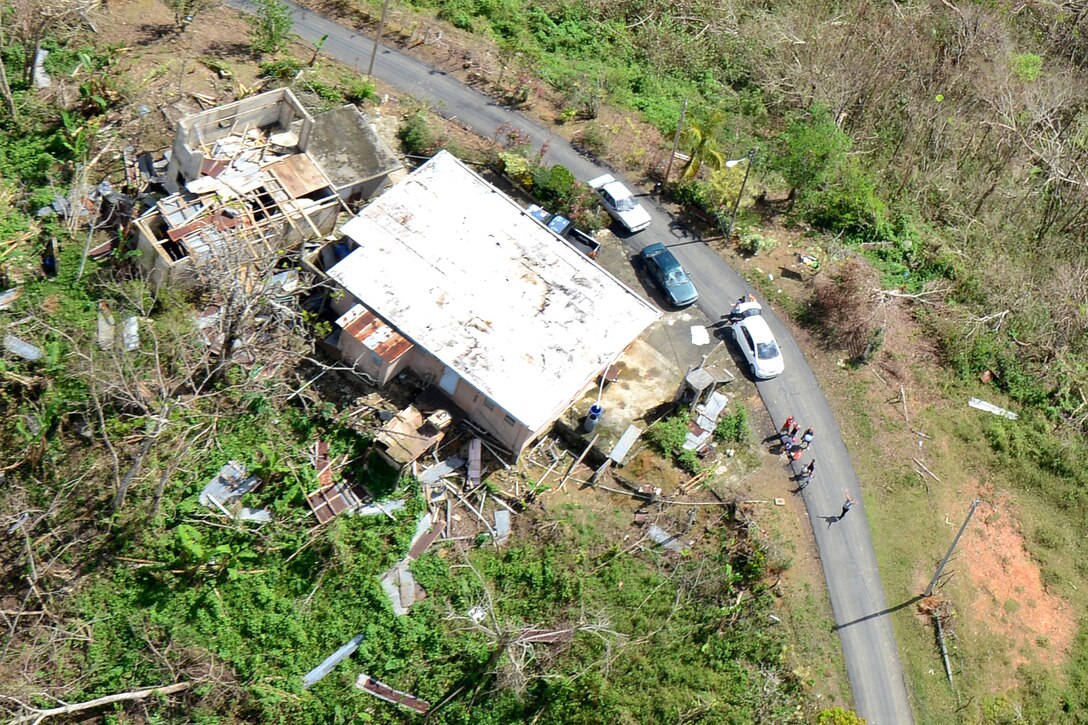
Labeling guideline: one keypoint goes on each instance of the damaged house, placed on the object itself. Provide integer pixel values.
(446, 276)
(257, 177)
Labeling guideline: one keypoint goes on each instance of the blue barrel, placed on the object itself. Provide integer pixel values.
(594, 417)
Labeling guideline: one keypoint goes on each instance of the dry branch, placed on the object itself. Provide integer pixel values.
(36, 715)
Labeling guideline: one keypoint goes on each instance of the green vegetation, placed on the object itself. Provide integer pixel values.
(667, 436)
(733, 427)
(271, 27)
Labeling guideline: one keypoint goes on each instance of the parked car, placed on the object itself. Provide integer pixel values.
(563, 227)
(620, 203)
(669, 275)
(756, 341)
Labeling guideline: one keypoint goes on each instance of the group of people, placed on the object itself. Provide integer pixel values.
(795, 448)
(788, 436)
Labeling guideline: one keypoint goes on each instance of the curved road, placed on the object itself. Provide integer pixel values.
(845, 548)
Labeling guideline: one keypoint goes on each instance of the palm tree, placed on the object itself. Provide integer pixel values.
(700, 141)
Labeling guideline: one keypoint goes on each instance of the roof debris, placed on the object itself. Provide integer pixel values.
(22, 348)
(229, 485)
(991, 408)
(316, 674)
(379, 689)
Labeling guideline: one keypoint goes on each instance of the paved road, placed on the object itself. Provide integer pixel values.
(846, 550)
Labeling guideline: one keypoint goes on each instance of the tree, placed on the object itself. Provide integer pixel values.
(186, 10)
(809, 150)
(271, 26)
(33, 20)
(700, 140)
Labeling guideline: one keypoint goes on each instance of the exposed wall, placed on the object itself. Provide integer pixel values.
(274, 108)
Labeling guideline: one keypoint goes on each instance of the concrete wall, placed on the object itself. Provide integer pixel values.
(274, 108)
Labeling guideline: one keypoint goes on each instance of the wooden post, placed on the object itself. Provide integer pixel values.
(377, 39)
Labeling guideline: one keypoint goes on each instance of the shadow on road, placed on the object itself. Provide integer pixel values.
(867, 617)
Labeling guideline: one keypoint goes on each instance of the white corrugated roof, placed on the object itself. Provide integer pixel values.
(457, 267)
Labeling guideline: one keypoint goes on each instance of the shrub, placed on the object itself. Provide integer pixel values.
(415, 134)
(358, 90)
(668, 434)
(810, 151)
(733, 428)
(517, 168)
(283, 69)
(751, 242)
(555, 185)
(591, 141)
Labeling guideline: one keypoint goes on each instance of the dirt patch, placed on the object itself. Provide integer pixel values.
(1011, 596)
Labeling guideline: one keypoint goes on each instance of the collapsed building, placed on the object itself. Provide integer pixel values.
(250, 180)
(448, 277)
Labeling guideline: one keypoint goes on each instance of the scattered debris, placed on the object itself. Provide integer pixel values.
(425, 537)
(387, 508)
(780, 502)
(398, 583)
(407, 436)
(401, 587)
(22, 519)
(702, 428)
(545, 636)
(22, 348)
(107, 327)
(130, 333)
(8, 297)
(329, 502)
(664, 538)
(41, 78)
(229, 485)
(317, 673)
(382, 691)
(475, 447)
(700, 335)
(991, 408)
(502, 526)
(438, 471)
(809, 261)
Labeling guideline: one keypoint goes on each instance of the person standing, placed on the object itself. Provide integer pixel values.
(807, 436)
(787, 425)
(807, 473)
(846, 506)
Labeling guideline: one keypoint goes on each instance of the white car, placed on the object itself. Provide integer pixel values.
(755, 340)
(619, 202)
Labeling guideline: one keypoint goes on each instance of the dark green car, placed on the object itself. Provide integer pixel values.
(669, 275)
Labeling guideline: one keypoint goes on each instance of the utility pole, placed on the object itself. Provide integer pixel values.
(940, 568)
(377, 40)
(675, 142)
(736, 204)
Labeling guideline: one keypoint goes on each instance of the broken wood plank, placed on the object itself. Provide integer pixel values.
(931, 473)
(576, 462)
(474, 450)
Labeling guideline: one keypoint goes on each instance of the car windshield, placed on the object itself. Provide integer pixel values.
(752, 312)
(767, 350)
(625, 204)
(675, 277)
